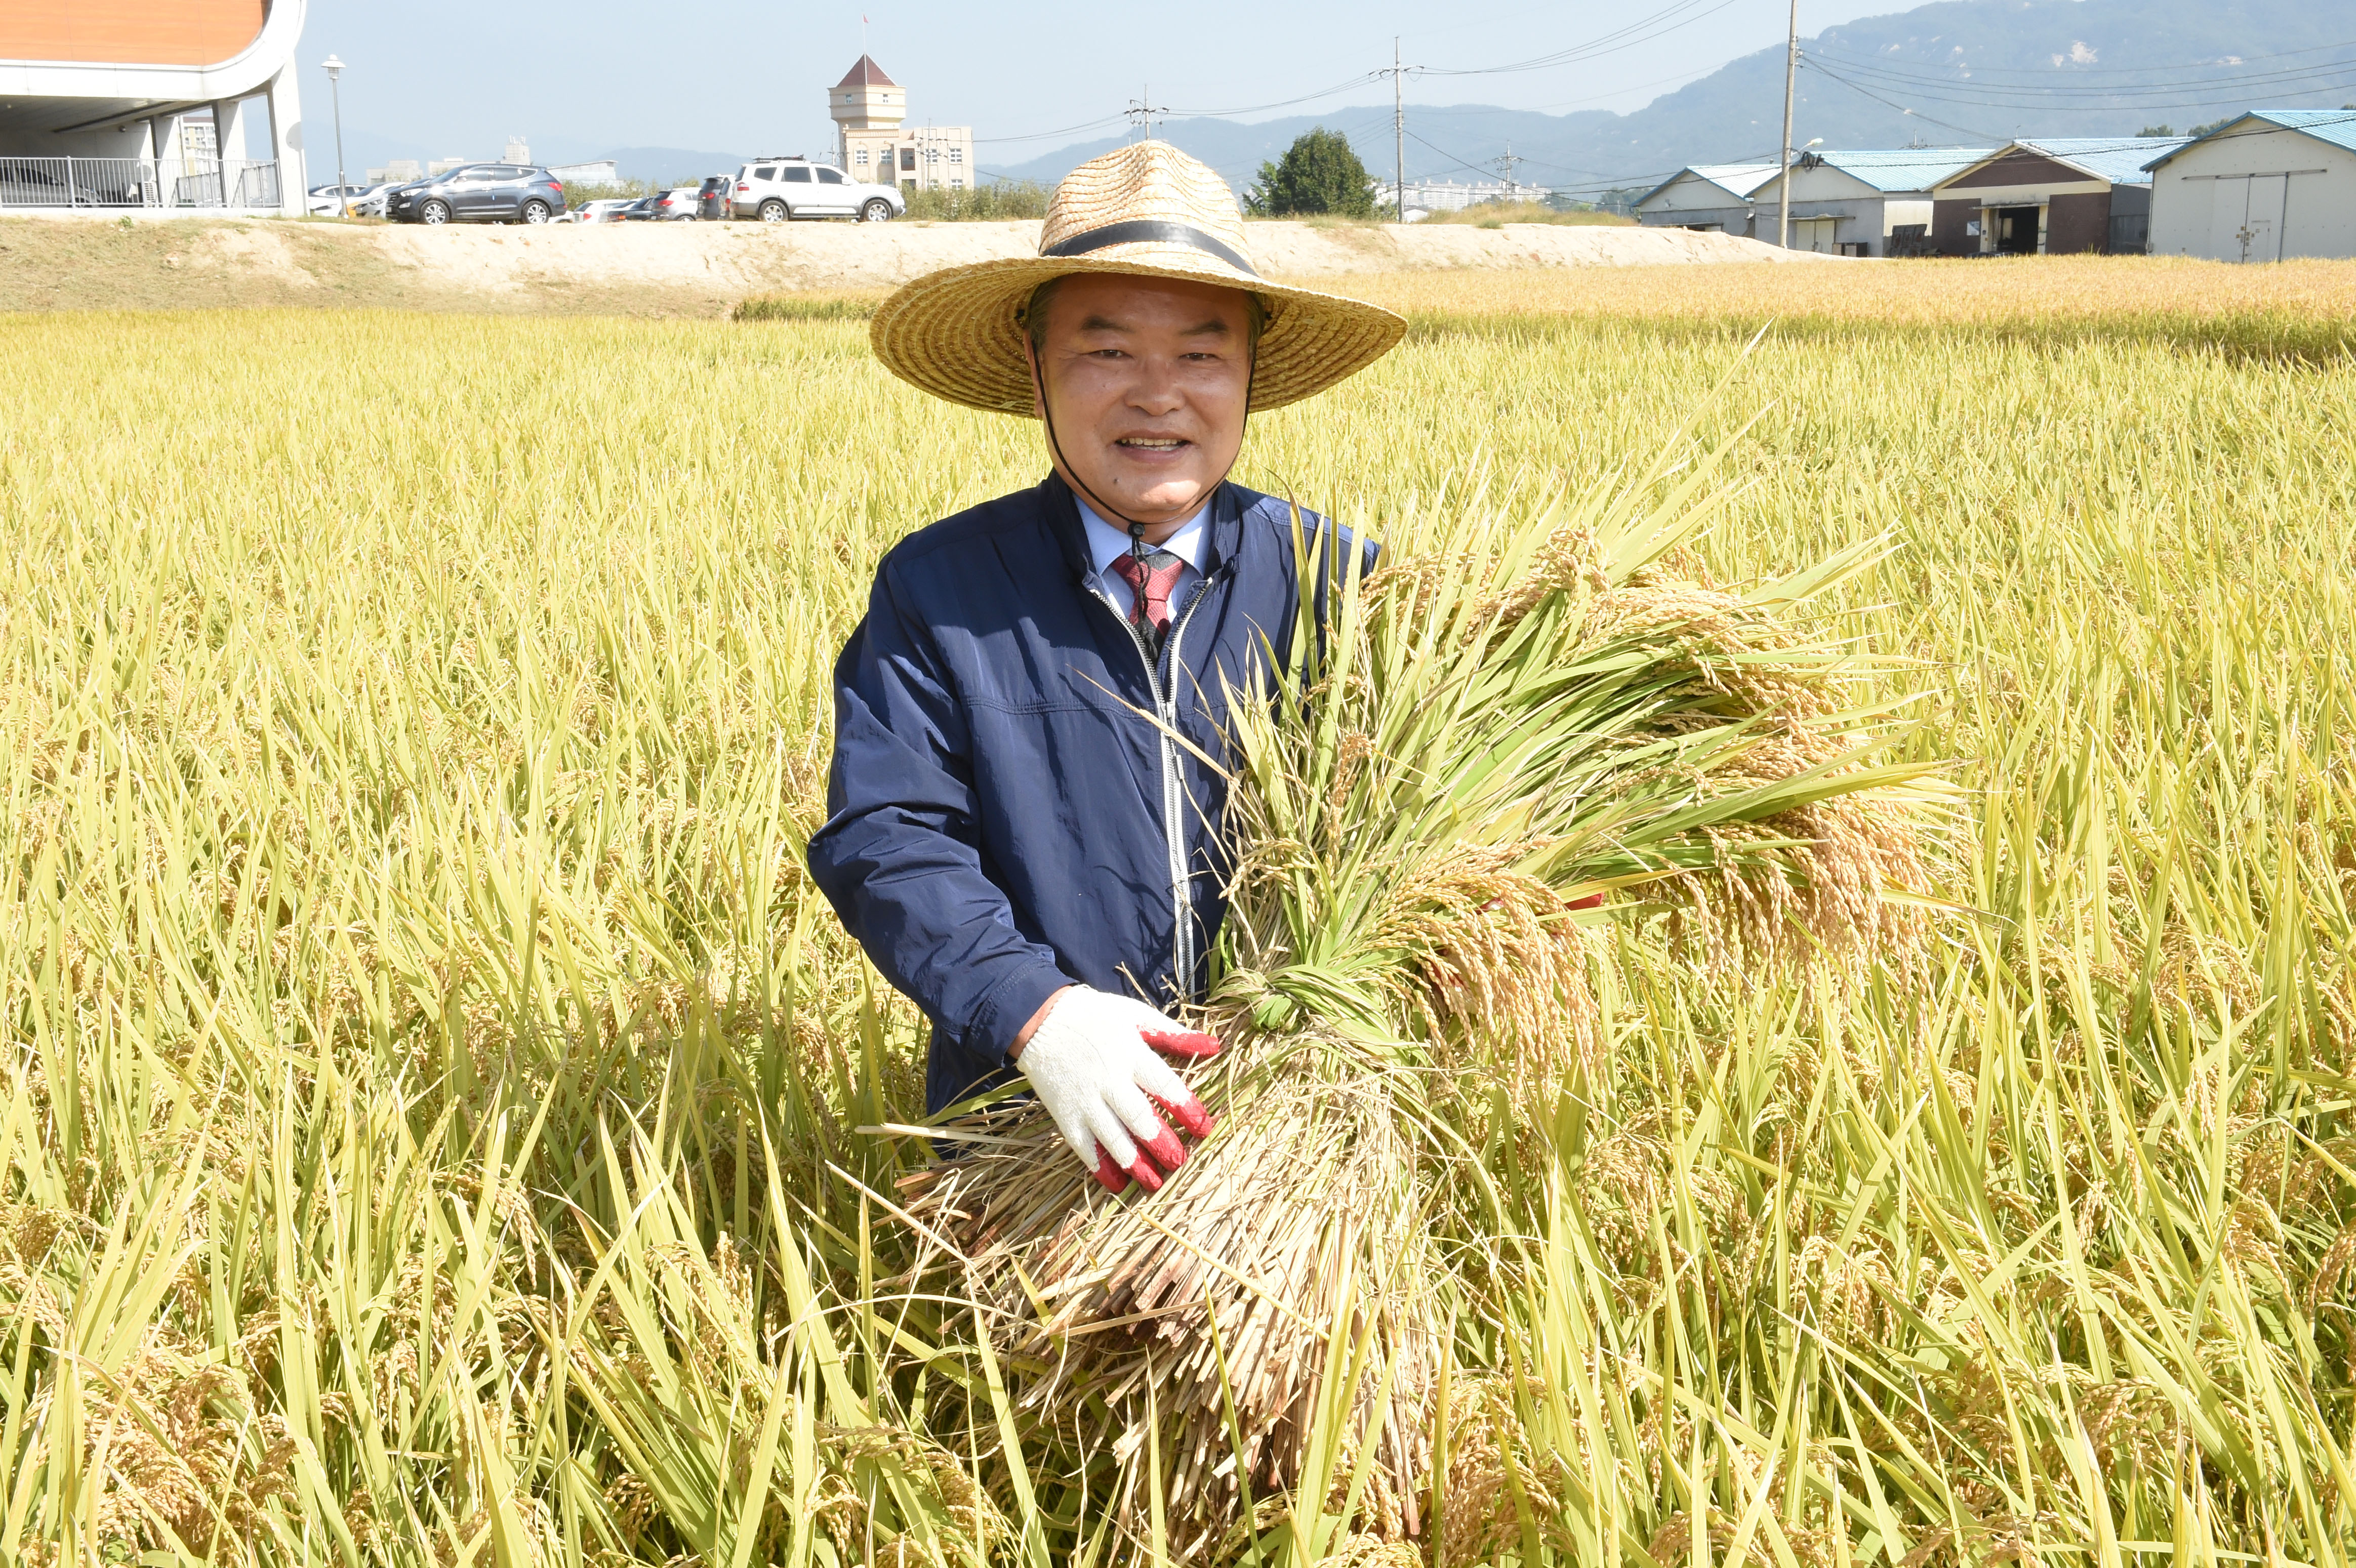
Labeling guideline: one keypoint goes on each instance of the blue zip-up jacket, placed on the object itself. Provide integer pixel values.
(1005, 818)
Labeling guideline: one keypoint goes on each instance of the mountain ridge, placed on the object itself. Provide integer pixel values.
(1953, 72)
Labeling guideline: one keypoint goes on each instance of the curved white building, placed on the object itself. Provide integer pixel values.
(112, 104)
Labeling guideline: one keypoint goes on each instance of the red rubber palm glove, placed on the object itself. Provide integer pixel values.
(1092, 1064)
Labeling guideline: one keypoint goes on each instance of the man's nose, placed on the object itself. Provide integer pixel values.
(1156, 391)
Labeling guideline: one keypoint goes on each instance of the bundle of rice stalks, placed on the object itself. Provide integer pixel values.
(1517, 734)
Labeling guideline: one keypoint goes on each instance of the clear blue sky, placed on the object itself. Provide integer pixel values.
(443, 78)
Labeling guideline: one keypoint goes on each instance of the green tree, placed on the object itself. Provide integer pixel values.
(1319, 172)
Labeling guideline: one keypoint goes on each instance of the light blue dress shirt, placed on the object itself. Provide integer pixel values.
(1108, 542)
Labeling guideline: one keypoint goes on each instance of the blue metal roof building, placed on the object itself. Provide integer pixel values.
(2122, 160)
(1875, 202)
(1715, 198)
(2270, 185)
(2050, 195)
(1892, 170)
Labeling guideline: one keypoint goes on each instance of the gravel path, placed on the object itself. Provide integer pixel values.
(694, 269)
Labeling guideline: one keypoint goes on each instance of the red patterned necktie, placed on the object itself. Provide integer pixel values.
(1151, 582)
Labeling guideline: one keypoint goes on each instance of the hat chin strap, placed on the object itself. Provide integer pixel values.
(1054, 445)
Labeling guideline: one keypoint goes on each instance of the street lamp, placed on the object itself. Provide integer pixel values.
(335, 69)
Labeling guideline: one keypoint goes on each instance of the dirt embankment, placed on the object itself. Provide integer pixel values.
(672, 268)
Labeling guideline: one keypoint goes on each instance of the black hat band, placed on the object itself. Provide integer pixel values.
(1150, 230)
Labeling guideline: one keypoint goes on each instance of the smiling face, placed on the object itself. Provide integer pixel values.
(1146, 380)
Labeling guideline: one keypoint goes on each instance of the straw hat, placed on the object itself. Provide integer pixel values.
(1146, 209)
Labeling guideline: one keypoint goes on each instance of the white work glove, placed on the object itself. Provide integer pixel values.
(1092, 1064)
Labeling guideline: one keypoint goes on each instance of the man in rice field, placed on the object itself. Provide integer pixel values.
(1025, 827)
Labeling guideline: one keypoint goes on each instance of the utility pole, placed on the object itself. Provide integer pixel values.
(1513, 186)
(1398, 134)
(1791, 74)
(1142, 112)
(335, 69)
(1397, 73)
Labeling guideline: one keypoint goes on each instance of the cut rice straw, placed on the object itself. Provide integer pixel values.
(1468, 747)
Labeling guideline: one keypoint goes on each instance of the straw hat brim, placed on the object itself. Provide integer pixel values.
(958, 333)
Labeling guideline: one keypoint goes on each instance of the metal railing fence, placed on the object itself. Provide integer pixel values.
(103, 183)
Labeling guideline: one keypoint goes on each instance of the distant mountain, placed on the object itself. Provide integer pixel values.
(1971, 71)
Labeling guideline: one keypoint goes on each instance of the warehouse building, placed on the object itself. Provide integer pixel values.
(1712, 197)
(2273, 185)
(2050, 196)
(107, 105)
(1873, 203)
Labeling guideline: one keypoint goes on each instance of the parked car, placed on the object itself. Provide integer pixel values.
(394, 193)
(328, 200)
(778, 189)
(712, 200)
(679, 203)
(93, 183)
(369, 203)
(479, 193)
(606, 209)
(642, 210)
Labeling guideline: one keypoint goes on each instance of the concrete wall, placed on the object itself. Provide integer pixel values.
(1689, 201)
(1825, 226)
(2072, 221)
(2078, 221)
(2017, 168)
(1950, 216)
(2257, 196)
(2074, 207)
(1721, 220)
(108, 142)
(1858, 213)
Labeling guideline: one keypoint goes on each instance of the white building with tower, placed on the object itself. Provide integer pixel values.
(107, 105)
(871, 112)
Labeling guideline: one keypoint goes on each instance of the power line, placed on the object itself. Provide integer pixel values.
(1668, 19)
(2073, 103)
(1361, 79)
(1681, 77)
(1816, 65)
(1096, 125)
(1835, 47)
(1967, 90)
(2144, 104)
(1624, 38)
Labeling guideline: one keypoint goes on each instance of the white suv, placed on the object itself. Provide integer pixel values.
(776, 190)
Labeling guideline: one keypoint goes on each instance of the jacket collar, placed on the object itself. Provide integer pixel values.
(1071, 535)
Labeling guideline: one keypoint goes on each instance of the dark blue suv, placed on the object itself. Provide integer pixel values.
(479, 193)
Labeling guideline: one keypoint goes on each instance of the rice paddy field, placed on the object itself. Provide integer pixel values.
(442, 1125)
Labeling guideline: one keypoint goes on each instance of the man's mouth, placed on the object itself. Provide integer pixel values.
(1151, 442)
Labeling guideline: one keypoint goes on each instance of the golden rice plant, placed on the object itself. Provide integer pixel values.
(1520, 714)
(427, 1067)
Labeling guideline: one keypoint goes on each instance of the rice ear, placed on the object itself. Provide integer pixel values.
(1513, 719)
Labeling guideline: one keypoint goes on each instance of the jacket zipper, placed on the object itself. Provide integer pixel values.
(1182, 951)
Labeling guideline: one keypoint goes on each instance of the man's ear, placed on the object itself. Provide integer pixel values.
(1038, 387)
